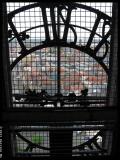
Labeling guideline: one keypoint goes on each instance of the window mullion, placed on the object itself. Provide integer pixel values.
(58, 52)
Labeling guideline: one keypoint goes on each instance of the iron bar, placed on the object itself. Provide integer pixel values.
(58, 53)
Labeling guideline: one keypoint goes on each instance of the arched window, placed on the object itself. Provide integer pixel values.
(60, 70)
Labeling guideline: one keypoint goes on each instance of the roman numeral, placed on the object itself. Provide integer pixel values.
(52, 16)
(67, 23)
(53, 23)
(47, 36)
(102, 42)
(93, 32)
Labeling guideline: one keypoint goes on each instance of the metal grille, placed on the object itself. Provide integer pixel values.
(57, 69)
(92, 138)
(38, 137)
(71, 71)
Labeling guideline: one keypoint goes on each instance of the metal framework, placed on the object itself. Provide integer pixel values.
(52, 65)
(46, 61)
(86, 139)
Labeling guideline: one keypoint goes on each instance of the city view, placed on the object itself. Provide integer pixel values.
(58, 69)
(39, 71)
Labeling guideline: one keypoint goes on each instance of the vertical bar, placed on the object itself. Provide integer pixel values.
(6, 143)
(67, 24)
(7, 99)
(61, 143)
(52, 14)
(45, 23)
(112, 77)
(7, 89)
(58, 52)
(14, 142)
(112, 81)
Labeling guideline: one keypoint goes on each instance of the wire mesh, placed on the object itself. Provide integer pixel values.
(45, 68)
(77, 70)
(87, 139)
(41, 138)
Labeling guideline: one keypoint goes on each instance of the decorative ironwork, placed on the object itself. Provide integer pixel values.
(91, 146)
(54, 39)
(63, 42)
(31, 145)
(22, 35)
(43, 98)
(60, 41)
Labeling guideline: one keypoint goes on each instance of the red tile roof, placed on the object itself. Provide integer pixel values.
(73, 87)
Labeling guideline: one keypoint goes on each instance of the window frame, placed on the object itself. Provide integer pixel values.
(20, 116)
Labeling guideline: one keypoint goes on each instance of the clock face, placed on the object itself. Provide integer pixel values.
(58, 53)
(58, 57)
